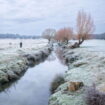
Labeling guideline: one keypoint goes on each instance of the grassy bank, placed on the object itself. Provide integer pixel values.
(86, 66)
(15, 60)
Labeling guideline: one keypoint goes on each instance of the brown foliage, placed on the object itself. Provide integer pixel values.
(74, 86)
(64, 34)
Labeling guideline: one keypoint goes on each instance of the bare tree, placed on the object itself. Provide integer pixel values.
(49, 34)
(64, 34)
(85, 27)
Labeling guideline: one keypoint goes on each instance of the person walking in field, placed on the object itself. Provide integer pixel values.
(21, 44)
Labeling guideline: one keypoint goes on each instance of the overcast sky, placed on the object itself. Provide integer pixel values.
(33, 16)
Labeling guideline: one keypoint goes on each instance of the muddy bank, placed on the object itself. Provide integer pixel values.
(85, 69)
(13, 66)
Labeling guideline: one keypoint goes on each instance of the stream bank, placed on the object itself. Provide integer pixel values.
(13, 66)
(86, 67)
(33, 88)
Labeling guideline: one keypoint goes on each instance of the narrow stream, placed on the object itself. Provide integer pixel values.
(34, 87)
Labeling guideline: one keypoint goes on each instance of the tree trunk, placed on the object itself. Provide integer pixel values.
(66, 41)
(77, 44)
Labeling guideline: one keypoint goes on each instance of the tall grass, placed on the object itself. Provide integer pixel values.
(94, 97)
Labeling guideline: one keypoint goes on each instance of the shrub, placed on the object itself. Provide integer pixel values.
(95, 97)
(58, 80)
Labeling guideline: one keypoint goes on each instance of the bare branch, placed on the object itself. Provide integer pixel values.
(49, 34)
(85, 26)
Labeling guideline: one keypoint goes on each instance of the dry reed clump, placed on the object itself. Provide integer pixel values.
(94, 97)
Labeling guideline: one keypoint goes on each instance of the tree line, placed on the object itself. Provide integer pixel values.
(14, 36)
(84, 30)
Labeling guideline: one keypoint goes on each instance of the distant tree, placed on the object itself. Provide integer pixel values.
(49, 34)
(85, 27)
(64, 34)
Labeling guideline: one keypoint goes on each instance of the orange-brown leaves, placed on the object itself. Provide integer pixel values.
(64, 34)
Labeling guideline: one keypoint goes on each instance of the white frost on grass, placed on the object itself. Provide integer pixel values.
(12, 61)
(89, 68)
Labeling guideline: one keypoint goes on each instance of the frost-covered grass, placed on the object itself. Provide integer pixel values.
(12, 61)
(89, 68)
(9, 49)
(8, 44)
(94, 45)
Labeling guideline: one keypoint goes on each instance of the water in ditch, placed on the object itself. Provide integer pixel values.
(33, 88)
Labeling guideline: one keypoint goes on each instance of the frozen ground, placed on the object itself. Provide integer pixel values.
(95, 45)
(9, 49)
(11, 60)
(12, 45)
(87, 65)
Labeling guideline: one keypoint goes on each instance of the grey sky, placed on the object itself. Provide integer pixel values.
(33, 16)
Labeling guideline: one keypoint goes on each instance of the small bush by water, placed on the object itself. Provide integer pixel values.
(58, 80)
(95, 97)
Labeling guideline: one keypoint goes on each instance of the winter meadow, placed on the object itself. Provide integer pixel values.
(52, 52)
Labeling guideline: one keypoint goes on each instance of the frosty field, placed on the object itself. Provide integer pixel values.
(86, 65)
(11, 60)
(95, 45)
